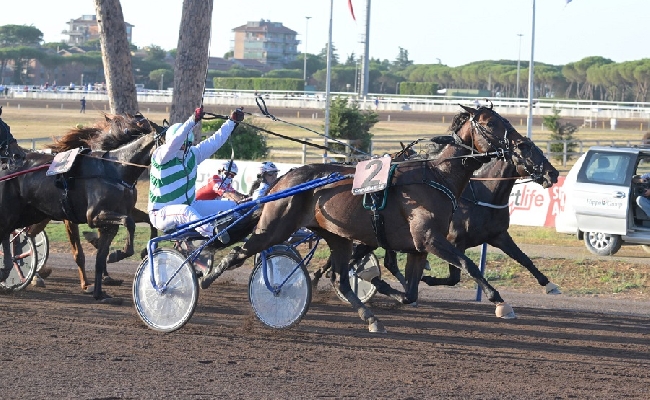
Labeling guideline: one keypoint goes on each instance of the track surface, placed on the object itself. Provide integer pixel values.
(58, 343)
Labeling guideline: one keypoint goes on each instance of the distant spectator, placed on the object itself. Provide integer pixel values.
(645, 141)
(71, 86)
(83, 105)
(376, 103)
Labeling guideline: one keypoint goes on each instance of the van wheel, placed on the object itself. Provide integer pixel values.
(602, 244)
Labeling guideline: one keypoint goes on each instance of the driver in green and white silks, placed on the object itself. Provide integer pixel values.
(173, 172)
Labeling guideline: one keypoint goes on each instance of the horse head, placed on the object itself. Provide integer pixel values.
(491, 134)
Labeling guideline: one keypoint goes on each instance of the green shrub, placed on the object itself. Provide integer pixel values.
(248, 143)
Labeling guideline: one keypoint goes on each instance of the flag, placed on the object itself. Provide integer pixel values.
(352, 9)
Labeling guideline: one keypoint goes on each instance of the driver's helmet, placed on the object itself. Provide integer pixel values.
(268, 166)
(229, 166)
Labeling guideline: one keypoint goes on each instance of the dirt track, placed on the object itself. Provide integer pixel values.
(57, 343)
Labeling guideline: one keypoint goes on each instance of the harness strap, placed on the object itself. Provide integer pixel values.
(445, 190)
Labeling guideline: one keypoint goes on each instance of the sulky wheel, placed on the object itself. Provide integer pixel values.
(360, 276)
(169, 309)
(285, 308)
(42, 244)
(24, 261)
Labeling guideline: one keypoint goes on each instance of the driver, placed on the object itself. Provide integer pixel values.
(173, 172)
(643, 200)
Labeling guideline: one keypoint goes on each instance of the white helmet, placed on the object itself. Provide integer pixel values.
(268, 166)
(230, 166)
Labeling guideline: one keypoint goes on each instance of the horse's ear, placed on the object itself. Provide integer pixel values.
(470, 110)
(402, 144)
(443, 139)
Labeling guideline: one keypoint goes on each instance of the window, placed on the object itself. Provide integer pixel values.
(606, 168)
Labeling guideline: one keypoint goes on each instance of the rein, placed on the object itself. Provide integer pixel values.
(16, 174)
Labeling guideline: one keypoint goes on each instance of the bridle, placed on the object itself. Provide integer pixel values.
(505, 152)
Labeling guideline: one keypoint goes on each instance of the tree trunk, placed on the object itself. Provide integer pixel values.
(191, 58)
(116, 56)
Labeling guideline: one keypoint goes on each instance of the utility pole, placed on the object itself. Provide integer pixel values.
(305, 51)
(365, 67)
(518, 63)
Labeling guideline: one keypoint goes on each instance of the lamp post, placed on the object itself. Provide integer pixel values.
(518, 63)
(531, 79)
(305, 55)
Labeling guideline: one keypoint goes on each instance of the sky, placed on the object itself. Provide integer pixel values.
(450, 32)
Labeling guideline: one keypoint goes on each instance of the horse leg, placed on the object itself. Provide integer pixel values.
(270, 230)
(390, 263)
(7, 259)
(383, 287)
(358, 252)
(141, 216)
(451, 280)
(128, 251)
(72, 230)
(443, 249)
(414, 270)
(320, 272)
(106, 235)
(507, 245)
(341, 249)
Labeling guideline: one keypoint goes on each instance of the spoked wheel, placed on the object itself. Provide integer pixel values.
(360, 276)
(42, 244)
(285, 308)
(171, 308)
(24, 261)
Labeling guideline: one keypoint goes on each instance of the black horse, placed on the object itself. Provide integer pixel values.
(12, 156)
(421, 200)
(108, 134)
(97, 190)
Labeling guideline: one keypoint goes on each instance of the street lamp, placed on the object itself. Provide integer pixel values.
(305, 55)
(518, 62)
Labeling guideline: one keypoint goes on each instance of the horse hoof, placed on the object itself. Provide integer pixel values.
(88, 289)
(38, 281)
(108, 281)
(505, 311)
(44, 272)
(376, 327)
(552, 288)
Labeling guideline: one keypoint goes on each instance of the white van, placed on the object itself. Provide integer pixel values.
(600, 199)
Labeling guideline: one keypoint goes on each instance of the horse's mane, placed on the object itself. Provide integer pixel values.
(108, 134)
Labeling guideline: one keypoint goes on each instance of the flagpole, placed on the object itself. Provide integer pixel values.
(327, 83)
(531, 79)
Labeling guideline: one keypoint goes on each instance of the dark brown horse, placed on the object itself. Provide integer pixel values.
(483, 216)
(12, 156)
(421, 200)
(97, 190)
(108, 134)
